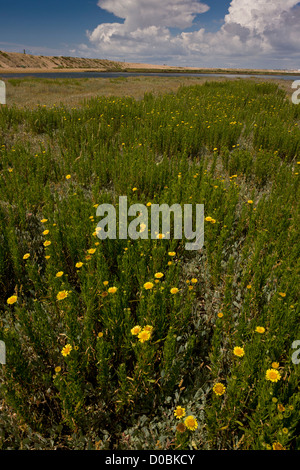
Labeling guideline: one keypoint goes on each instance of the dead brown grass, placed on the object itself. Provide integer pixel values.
(30, 92)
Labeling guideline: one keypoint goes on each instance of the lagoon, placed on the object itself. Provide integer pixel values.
(91, 74)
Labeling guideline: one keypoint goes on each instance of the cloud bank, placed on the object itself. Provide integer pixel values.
(257, 33)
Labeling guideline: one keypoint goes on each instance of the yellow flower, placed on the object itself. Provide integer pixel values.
(112, 290)
(59, 274)
(45, 232)
(249, 286)
(47, 243)
(282, 294)
(158, 275)
(134, 189)
(219, 389)
(47, 257)
(68, 177)
(250, 202)
(273, 375)
(136, 330)
(260, 329)
(278, 446)
(179, 412)
(148, 285)
(91, 251)
(148, 328)
(66, 350)
(44, 221)
(210, 219)
(105, 283)
(191, 423)
(174, 290)
(171, 253)
(220, 315)
(275, 365)
(11, 300)
(237, 351)
(144, 335)
(160, 236)
(100, 334)
(149, 204)
(62, 295)
(180, 428)
(26, 256)
(57, 369)
(194, 280)
(79, 264)
(280, 408)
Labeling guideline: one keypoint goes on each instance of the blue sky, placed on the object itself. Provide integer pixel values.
(208, 33)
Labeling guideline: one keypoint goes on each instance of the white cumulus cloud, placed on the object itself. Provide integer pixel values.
(144, 13)
(254, 33)
(258, 15)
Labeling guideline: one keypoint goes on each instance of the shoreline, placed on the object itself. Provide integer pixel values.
(146, 70)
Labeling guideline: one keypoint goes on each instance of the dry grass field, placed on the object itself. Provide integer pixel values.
(30, 92)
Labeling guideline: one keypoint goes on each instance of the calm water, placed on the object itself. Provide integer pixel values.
(133, 74)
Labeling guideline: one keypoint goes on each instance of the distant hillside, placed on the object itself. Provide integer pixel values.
(23, 62)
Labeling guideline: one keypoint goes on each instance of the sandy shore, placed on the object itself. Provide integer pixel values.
(15, 63)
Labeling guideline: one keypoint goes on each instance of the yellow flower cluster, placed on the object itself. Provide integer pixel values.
(143, 334)
(210, 219)
(190, 422)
